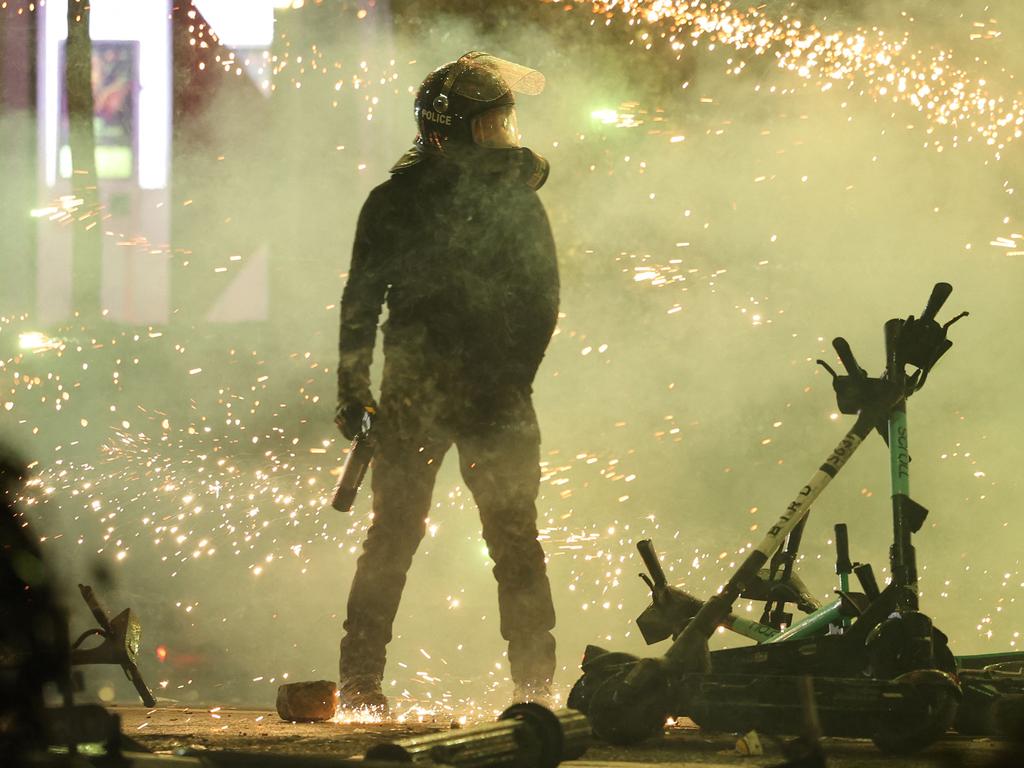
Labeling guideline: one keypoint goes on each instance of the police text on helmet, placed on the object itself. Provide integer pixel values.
(434, 117)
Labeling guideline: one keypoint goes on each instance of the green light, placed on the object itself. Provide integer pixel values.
(36, 341)
(606, 116)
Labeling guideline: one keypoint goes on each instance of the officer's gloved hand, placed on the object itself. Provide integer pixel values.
(350, 413)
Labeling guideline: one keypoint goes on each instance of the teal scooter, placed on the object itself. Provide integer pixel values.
(888, 674)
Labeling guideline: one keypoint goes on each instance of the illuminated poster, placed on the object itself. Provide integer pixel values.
(114, 78)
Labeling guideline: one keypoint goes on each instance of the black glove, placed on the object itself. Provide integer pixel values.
(350, 414)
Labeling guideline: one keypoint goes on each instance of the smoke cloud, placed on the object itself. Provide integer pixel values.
(719, 219)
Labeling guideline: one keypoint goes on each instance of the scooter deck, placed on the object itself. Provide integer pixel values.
(846, 706)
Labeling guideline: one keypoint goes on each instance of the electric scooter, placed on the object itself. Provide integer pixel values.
(888, 674)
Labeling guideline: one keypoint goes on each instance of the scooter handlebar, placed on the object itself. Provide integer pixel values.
(940, 293)
(842, 348)
(646, 549)
(843, 564)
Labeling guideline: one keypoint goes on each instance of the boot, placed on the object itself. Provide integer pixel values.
(361, 694)
(532, 664)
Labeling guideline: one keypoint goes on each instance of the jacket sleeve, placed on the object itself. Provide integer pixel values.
(362, 299)
(539, 299)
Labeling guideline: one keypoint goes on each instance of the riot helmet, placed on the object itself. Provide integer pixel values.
(469, 102)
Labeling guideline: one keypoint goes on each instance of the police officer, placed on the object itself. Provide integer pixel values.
(459, 246)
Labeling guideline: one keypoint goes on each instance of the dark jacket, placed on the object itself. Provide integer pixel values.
(466, 262)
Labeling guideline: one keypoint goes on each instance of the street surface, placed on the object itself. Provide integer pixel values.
(167, 729)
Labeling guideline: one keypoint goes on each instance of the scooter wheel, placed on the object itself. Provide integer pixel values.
(889, 646)
(622, 712)
(929, 712)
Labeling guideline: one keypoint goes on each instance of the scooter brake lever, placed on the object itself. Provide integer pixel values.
(961, 316)
(827, 367)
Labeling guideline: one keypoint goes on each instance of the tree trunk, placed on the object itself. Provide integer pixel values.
(86, 233)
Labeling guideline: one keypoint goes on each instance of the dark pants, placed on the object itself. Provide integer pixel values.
(499, 458)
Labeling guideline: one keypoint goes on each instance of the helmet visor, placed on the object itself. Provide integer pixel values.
(483, 77)
(496, 128)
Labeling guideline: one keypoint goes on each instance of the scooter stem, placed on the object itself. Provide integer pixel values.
(902, 556)
(685, 651)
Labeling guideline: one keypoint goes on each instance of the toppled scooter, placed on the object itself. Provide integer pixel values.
(879, 668)
(120, 646)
